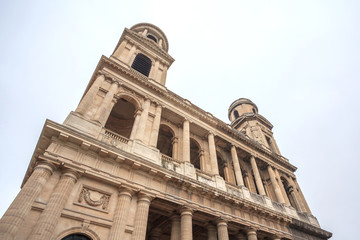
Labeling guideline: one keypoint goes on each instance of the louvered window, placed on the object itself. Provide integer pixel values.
(142, 64)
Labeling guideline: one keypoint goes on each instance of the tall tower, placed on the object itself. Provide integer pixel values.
(135, 161)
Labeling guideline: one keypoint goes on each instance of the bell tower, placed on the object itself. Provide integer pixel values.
(144, 48)
(244, 117)
(140, 57)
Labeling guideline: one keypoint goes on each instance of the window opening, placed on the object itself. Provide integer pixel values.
(142, 64)
(236, 114)
(194, 153)
(164, 143)
(76, 237)
(121, 119)
(152, 38)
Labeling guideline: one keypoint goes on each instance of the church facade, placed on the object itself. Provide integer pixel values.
(135, 161)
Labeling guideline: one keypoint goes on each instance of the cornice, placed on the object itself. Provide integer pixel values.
(305, 227)
(157, 29)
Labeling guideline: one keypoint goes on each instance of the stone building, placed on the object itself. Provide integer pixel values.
(135, 161)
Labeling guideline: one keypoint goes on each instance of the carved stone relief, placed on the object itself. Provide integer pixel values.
(94, 198)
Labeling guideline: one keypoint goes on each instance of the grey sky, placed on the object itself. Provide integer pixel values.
(297, 60)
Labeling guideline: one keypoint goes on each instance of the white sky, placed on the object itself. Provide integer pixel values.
(297, 60)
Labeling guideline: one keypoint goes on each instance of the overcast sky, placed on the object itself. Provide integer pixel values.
(298, 61)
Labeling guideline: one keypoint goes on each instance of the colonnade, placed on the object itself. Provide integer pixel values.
(138, 132)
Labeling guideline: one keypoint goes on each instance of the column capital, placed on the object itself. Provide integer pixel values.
(175, 140)
(241, 236)
(186, 120)
(144, 197)
(211, 133)
(138, 111)
(175, 218)
(46, 166)
(126, 191)
(221, 221)
(184, 210)
(251, 230)
(71, 173)
(201, 153)
(210, 226)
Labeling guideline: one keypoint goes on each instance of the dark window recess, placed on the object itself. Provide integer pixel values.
(236, 114)
(152, 38)
(254, 111)
(76, 237)
(142, 64)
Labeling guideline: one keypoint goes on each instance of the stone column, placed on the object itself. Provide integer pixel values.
(130, 55)
(155, 127)
(251, 234)
(106, 104)
(136, 123)
(89, 97)
(156, 70)
(212, 151)
(222, 230)
(241, 236)
(237, 169)
(163, 76)
(155, 234)
(121, 48)
(202, 160)
(211, 232)
(282, 188)
(143, 119)
(186, 141)
(247, 180)
(277, 190)
(175, 150)
(141, 218)
(186, 224)
(21, 206)
(295, 194)
(175, 228)
(49, 218)
(258, 180)
(121, 214)
(294, 197)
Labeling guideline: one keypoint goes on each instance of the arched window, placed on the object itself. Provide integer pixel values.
(142, 64)
(152, 38)
(121, 118)
(194, 153)
(76, 237)
(165, 138)
(236, 114)
(221, 165)
(254, 111)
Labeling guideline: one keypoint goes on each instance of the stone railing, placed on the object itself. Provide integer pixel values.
(116, 136)
(169, 163)
(114, 139)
